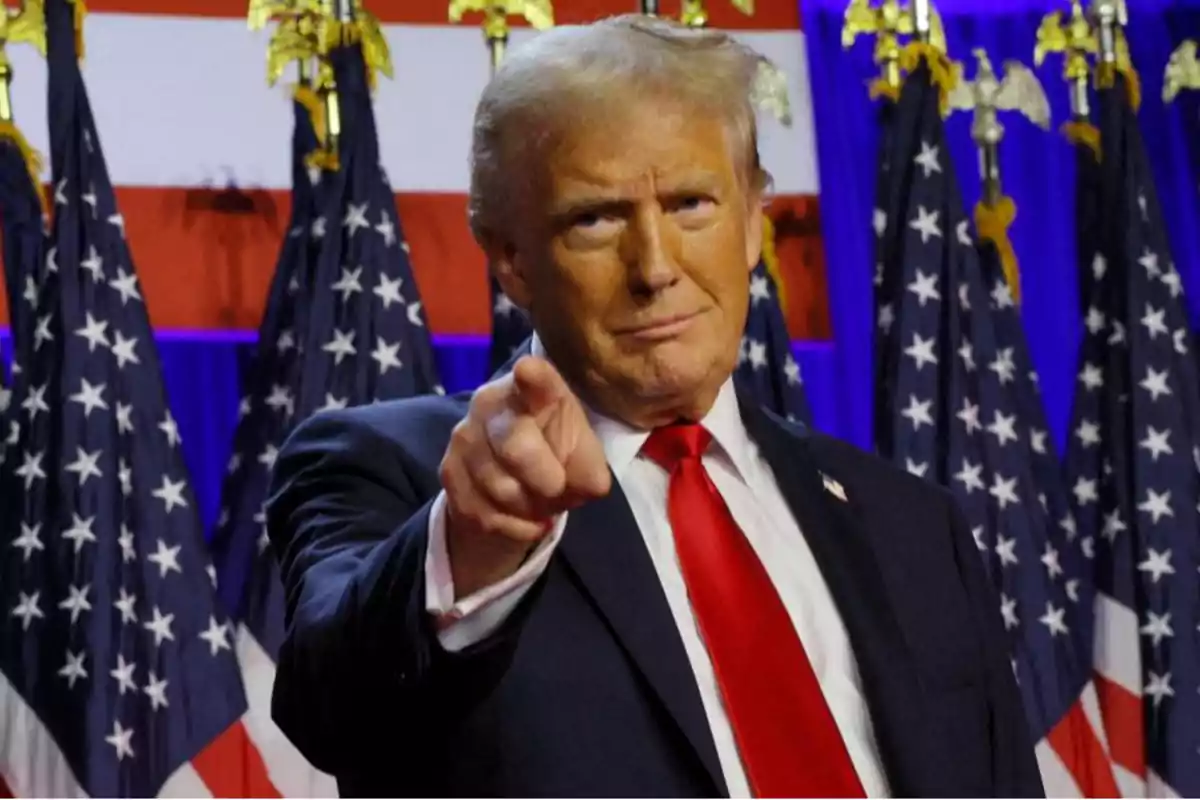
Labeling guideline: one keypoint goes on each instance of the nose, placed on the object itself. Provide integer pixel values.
(652, 251)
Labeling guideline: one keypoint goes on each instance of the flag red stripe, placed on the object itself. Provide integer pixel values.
(231, 766)
(205, 257)
(4, 790)
(1123, 724)
(768, 14)
(1081, 752)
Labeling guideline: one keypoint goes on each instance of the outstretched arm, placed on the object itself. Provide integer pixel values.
(348, 517)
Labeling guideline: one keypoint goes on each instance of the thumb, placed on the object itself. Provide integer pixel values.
(538, 385)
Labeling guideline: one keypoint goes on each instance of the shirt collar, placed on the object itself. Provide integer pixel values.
(622, 443)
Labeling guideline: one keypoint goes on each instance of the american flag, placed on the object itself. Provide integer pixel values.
(510, 327)
(247, 573)
(367, 339)
(117, 674)
(959, 407)
(1132, 461)
(766, 365)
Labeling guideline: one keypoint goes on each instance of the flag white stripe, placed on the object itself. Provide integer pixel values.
(183, 101)
(1117, 657)
(1056, 778)
(289, 771)
(30, 760)
(185, 782)
(1129, 783)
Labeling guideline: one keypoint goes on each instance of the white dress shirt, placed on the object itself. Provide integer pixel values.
(748, 487)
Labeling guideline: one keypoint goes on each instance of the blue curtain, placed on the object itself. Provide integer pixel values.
(1038, 172)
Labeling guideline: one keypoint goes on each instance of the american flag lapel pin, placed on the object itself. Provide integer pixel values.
(833, 487)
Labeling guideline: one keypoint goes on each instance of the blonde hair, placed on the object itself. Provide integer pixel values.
(573, 74)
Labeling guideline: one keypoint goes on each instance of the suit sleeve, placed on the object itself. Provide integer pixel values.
(1014, 766)
(349, 525)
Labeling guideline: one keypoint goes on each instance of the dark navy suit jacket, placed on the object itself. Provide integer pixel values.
(586, 690)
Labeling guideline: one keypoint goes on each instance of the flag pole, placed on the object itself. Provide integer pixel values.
(1077, 70)
(922, 24)
(1108, 19)
(538, 13)
(1077, 41)
(995, 212)
(343, 12)
(1112, 18)
(495, 32)
(6, 76)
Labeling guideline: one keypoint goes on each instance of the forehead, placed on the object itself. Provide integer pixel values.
(641, 146)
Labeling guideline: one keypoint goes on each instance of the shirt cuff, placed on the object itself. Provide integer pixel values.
(475, 617)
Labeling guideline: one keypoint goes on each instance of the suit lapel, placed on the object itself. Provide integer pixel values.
(848, 563)
(604, 547)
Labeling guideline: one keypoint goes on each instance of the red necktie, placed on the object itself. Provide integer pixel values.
(788, 740)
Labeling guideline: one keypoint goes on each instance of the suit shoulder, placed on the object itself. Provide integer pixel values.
(396, 420)
(413, 424)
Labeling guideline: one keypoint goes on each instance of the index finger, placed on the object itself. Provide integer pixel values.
(538, 385)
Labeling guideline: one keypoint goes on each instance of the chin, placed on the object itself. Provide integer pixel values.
(675, 369)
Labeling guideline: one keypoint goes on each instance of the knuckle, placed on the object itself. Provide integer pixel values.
(461, 437)
(520, 448)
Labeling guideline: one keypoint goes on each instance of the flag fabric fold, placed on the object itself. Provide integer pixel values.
(367, 338)
(247, 572)
(885, 293)
(1086, 139)
(957, 404)
(1133, 465)
(117, 674)
(767, 368)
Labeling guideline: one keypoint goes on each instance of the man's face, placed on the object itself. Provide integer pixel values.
(632, 257)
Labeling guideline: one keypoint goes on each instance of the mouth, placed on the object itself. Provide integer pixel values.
(660, 329)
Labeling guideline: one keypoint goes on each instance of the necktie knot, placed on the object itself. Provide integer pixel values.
(674, 443)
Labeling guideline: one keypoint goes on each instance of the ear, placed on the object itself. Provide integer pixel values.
(754, 232)
(506, 266)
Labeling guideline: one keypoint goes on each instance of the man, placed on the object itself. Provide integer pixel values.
(604, 573)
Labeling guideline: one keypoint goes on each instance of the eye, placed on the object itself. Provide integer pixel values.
(588, 229)
(587, 219)
(691, 203)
